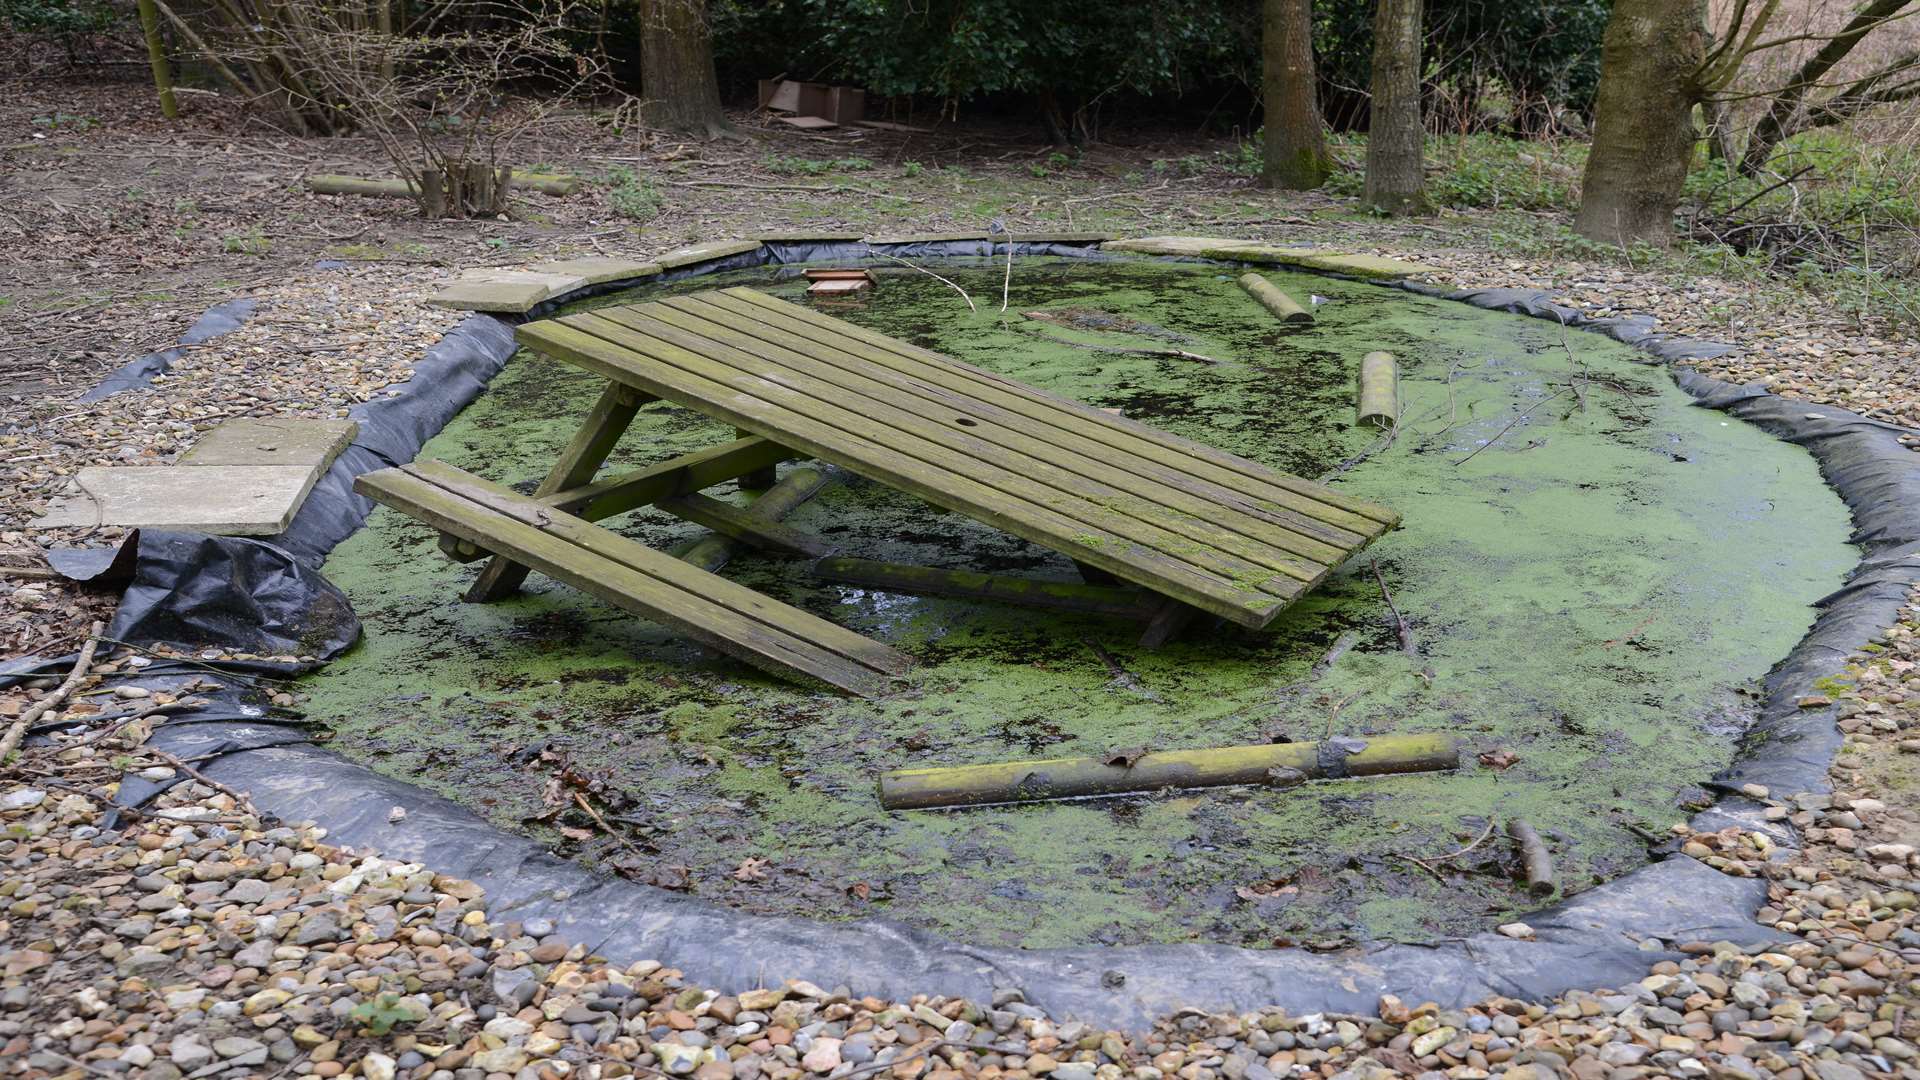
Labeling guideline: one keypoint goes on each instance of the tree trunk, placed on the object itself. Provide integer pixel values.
(1643, 132)
(1396, 164)
(157, 56)
(676, 69)
(1295, 149)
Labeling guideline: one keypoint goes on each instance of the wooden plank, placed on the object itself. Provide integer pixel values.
(952, 430)
(741, 524)
(1120, 432)
(713, 551)
(614, 547)
(882, 463)
(676, 476)
(713, 610)
(1122, 483)
(583, 456)
(1138, 605)
(715, 384)
(1172, 618)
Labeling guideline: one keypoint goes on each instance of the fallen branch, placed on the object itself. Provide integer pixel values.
(1427, 864)
(1266, 764)
(1539, 861)
(185, 767)
(1118, 675)
(65, 690)
(1515, 422)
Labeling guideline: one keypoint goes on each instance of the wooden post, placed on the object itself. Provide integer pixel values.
(157, 56)
(578, 462)
(1379, 391)
(1284, 307)
(1065, 778)
(759, 479)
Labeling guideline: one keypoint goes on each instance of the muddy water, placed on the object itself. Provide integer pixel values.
(1593, 589)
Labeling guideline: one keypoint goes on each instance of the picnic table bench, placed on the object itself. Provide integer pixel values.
(1136, 508)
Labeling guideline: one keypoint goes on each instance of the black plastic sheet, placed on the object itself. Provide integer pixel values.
(220, 319)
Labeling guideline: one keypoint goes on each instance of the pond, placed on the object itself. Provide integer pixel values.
(1594, 573)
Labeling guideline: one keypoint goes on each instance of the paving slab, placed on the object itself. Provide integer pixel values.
(599, 269)
(272, 441)
(511, 291)
(1062, 237)
(1330, 260)
(928, 238)
(697, 253)
(229, 500)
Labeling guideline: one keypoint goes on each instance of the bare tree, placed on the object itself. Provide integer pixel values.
(1651, 62)
(676, 69)
(1295, 148)
(157, 58)
(1396, 137)
(1799, 105)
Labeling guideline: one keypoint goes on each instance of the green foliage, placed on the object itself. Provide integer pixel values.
(633, 197)
(55, 18)
(60, 121)
(962, 49)
(1484, 171)
(251, 242)
(793, 165)
(381, 1013)
(912, 169)
(1524, 55)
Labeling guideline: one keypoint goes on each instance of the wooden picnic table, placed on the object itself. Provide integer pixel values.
(1200, 528)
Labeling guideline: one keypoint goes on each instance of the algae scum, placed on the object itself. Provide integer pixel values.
(1591, 594)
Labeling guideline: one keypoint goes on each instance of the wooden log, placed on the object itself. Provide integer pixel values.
(397, 188)
(1125, 603)
(1065, 778)
(715, 550)
(1539, 861)
(1379, 390)
(1284, 307)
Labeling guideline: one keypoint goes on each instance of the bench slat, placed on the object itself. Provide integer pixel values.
(727, 617)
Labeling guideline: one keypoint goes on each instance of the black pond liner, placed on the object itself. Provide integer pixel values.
(267, 596)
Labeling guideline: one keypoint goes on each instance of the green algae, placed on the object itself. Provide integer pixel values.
(1594, 577)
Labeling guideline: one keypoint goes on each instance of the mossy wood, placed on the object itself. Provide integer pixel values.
(1066, 778)
(1379, 390)
(1116, 602)
(396, 188)
(1214, 531)
(715, 550)
(1284, 307)
(718, 613)
(745, 526)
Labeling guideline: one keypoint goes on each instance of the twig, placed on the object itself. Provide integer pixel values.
(929, 273)
(1006, 283)
(930, 1046)
(1399, 622)
(1334, 713)
(1120, 676)
(1427, 864)
(1515, 422)
(604, 827)
(40, 708)
(185, 767)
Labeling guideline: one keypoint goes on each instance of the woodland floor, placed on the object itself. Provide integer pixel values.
(143, 952)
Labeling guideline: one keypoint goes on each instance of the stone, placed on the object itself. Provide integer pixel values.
(1518, 930)
(598, 269)
(507, 291)
(226, 500)
(273, 440)
(378, 1067)
(248, 891)
(705, 252)
(25, 798)
(823, 1056)
(189, 1052)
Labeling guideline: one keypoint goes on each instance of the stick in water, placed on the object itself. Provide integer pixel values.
(1539, 862)
(929, 273)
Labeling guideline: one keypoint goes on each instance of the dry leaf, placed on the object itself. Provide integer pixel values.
(1124, 756)
(751, 870)
(1500, 760)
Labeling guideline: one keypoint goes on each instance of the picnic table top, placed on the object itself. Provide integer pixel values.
(1183, 519)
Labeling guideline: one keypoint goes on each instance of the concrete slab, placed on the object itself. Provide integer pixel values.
(930, 238)
(510, 291)
(272, 441)
(1329, 260)
(697, 253)
(230, 500)
(1062, 237)
(598, 269)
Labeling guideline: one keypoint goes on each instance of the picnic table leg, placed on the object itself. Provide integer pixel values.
(1172, 618)
(759, 479)
(577, 465)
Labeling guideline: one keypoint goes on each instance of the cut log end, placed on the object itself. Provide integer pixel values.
(1535, 856)
(1284, 307)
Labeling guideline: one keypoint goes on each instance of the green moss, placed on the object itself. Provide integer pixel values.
(1591, 592)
